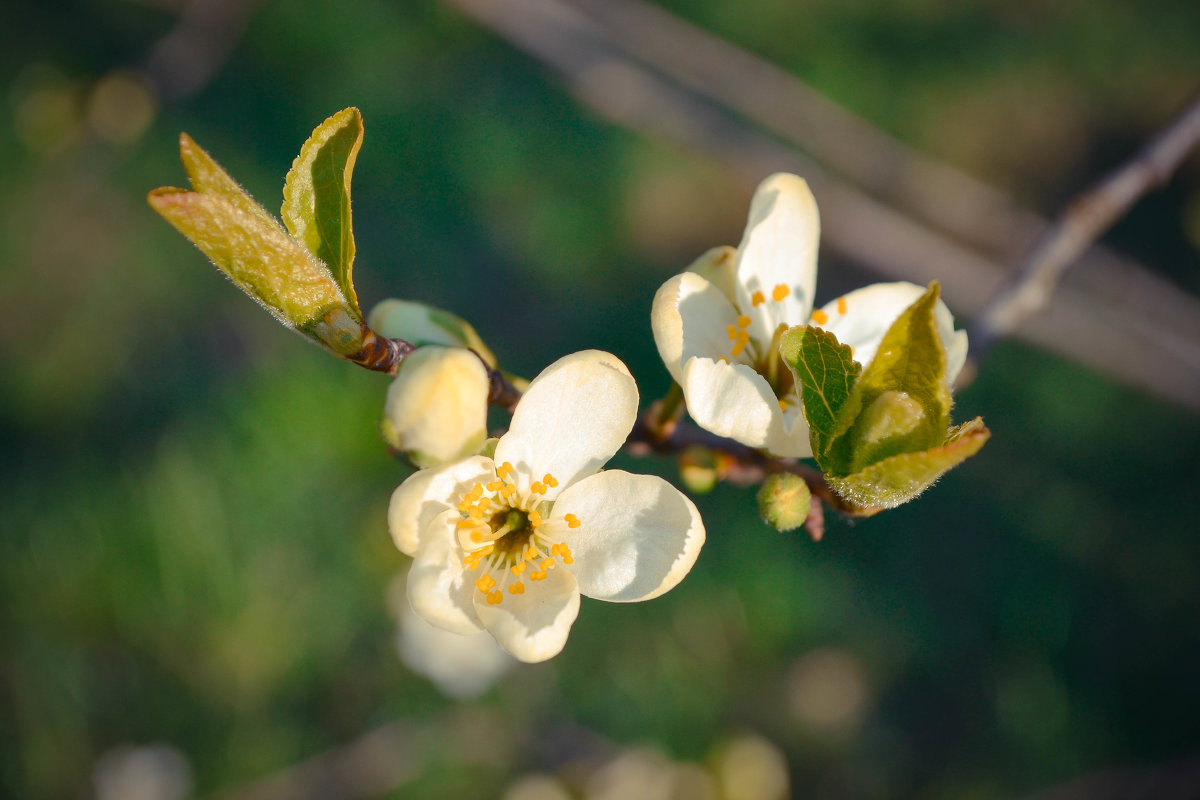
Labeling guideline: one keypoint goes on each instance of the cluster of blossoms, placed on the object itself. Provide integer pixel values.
(507, 542)
(506, 535)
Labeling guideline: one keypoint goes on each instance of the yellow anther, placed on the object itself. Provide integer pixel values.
(471, 562)
(483, 503)
(572, 521)
(519, 567)
(538, 488)
(494, 485)
(723, 359)
(476, 512)
(743, 321)
(485, 583)
(466, 523)
(476, 536)
(535, 519)
(516, 588)
(841, 305)
(495, 597)
(779, 292)
(504, 470)
(550, 480)
(565, 554)
(506, 490)
(783, 405)
(546, 564)
(732, 331)
(486, 550)
(540, 575)
(531, 554)
(757, 298)
(819, 316)
(740, 345)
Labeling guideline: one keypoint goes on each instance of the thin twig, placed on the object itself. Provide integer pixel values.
(1089, 215)
(1129, 324)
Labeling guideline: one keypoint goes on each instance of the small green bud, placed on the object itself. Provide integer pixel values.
(784, 501)
(698, 469)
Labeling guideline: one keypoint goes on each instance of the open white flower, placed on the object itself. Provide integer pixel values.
(507, 544)
(436, 408)
(717, 325)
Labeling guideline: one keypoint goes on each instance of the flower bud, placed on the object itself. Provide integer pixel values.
(436, 408)
(784, 501)
(421, 324)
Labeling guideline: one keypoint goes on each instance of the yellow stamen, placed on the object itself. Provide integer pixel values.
(562, 551)
(504, 470)
(535, 519)
(819, 316)
(538, 488)
(494, 486)
(495, 597)
(757, 298)
(476, 537)
(466, 523)
(485, 583)
(723, 359)
(506, 490)
(732, 331)
(783, 405)
(779, 292)
(550, 480)
(516, 588)
(537, 576)
(531, 554)
(572, 521)
(740, 345)
(743, 321)
(841, 305)
(546, 564)
(519, 567)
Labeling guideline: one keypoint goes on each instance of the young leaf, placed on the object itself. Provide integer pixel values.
(826, 371)
(909, 372)
(900, 478)
(316, 197)
(264, 262)
(208, 177)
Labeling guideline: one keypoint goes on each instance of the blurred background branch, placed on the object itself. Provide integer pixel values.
(643, 68)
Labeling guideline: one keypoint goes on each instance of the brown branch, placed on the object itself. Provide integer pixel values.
(1089, 215)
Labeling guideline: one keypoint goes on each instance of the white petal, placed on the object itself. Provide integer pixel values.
(462, 666)
(730, 400)
(779, 247)
(639, 535)
(533, 626)
(788, 436)
(428, 493)
(690, 317)
(436, 408)
(719, 266)
(871, 310)
(572, 419)
(439, 587)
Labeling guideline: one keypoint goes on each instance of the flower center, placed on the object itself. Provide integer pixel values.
(511, 535)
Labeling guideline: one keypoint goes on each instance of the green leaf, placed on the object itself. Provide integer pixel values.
(826, 371)
(316, 197)
(267, 264)
(901, 402)
(900, 478)
(208, 177)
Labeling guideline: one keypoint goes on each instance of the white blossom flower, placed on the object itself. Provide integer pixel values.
(717, 325)
(461, 666)
(436, 408)
(507, 544)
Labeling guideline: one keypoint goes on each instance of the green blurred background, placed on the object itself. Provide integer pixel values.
(193, 547)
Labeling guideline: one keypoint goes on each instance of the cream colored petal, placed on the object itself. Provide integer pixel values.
(719, 267)
(533, 626)
(571, 420)
(439, 587)
(871, 310)
(788, 436)
(779, 248)
(428, 493)
(638, 535)
(436, 408)
(690, 317)
(730, 400)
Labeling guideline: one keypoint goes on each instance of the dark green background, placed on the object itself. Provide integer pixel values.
(193, 547)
